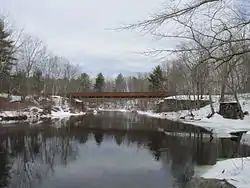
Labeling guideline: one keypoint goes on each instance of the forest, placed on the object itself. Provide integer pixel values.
(212, 59)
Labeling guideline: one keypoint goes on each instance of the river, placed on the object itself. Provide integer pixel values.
(109, 150)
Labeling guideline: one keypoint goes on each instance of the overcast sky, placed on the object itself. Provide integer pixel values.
(80, 31)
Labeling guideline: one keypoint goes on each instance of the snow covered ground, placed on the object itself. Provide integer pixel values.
(60, 114)
(235, 171)
(34, 115)
(220, 126)
(246, 139)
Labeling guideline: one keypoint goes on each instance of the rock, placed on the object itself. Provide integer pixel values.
(207, 183)
(47, 110)
(246, 113)
(231, 110)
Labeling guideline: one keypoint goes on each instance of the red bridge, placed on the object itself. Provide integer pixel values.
(118, 95)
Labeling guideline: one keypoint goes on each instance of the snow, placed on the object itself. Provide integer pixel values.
(34, 117)
(245, 139)
(60, 101)
(114, 110)
(191, 97)
(152, 114)
(235, 171)
(220, 126)
(215, 98)
(62, 108)
(15, 98)
(4, 95)
(60, 114)
(34, 114)
(78, 100)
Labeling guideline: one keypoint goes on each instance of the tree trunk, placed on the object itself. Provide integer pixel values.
(211, 103)
(222, 92)
(27, 83)
(238, 102)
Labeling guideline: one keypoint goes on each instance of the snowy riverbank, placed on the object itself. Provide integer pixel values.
(220, 126)
(35, 114)
(235, 171)
(37, 111)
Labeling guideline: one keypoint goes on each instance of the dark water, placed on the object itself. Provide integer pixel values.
(110, 150)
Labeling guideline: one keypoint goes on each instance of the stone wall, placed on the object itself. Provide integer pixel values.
(170, 105)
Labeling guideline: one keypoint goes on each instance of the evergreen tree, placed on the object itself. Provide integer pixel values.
(120, 84)
(156, 79)
(85, 82)
(6, 56)
(99, 83)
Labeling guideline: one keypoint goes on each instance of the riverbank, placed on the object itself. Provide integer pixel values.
(235, 171)
(35, 110)
(62, 110)
(220, 126)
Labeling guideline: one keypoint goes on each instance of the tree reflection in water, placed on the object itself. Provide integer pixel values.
(4, 167)
(27, 157)
(98, 137)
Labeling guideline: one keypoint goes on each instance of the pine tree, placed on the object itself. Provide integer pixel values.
(85, 82)
(99, 83)
(120, 84)
(6, 55)
(156, 79)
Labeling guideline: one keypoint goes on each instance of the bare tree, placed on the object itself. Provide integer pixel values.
(211, 24)
(30, 54)
(70, 71)
(214, 32)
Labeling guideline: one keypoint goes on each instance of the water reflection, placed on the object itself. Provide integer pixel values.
(103, 152)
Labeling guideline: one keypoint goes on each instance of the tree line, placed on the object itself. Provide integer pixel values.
(27, 67)
(212, 56)
(213, 50)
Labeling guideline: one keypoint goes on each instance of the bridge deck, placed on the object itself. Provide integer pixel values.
(119, 95)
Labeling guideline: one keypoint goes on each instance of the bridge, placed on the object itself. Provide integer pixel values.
(118, 95)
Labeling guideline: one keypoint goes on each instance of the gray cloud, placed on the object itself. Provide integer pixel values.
(78, 30)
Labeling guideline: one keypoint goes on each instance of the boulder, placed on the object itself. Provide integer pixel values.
(231, 110)
(246, 113)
